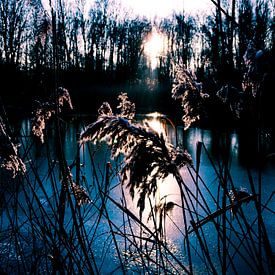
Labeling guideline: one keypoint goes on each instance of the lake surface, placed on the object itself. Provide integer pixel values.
(240, 158)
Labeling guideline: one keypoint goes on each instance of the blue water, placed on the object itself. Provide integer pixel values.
(101, 242)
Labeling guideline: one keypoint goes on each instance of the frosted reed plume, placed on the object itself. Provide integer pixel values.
(42, 114)
(189, 91)
(79, 192)
(9, 158)
(148, 157)
(46, 109)
(126, 108)
(63, 97)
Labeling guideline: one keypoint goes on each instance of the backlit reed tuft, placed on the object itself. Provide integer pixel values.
(9, 158)
(148, 157)
(189, 91)
(46, 109)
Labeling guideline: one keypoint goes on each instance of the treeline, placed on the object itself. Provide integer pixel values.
(70, 35)
(50, 39)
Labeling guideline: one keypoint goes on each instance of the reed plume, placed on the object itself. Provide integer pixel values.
(9, 158)
(189, 91)
(79, 192)
(46, 110)
(148, 157)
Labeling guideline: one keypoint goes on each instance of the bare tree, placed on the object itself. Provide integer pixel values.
(14, 24)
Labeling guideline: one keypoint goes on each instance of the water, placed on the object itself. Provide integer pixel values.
(43, 160)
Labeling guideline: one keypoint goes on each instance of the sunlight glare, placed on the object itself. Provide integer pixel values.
(155, 46)
(156, 123)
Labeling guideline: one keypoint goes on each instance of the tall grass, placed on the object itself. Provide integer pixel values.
(60, 218)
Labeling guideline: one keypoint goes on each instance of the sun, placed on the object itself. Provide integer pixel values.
(155, 46)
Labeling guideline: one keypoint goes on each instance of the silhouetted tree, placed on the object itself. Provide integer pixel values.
(14, 29)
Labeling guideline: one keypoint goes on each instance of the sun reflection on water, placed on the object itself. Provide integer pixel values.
(157, 123)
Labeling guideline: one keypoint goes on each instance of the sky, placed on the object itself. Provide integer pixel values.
(156, 8)
(164, 8)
